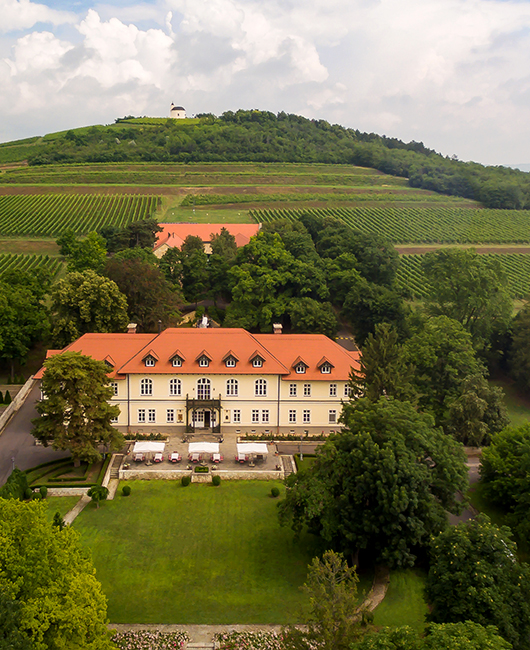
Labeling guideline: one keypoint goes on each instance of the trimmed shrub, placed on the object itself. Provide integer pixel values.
(7, 398)
(28, 493)
(126, 490)
(1, 398)
(16, 486)
(185, 480)
(36, 496)
(43, 490)
(216, 480)
(200, 469)
(275, 492)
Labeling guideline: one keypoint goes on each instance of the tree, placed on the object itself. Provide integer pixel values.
(193, 271)
(475, 576)
(45, 572)
(87, 253)
(478, 413)
(383, 370)
(382, 485)
(98, 493)
(149, 296)
(11, 635)
(311, 316)
(520, 350)
(505, 473)
(74, 412)
(469, 288)
(332, 589)
(86, 302)
(443, 636)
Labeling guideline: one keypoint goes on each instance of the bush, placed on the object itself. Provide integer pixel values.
(1, 398)
(16, 486)
(216, 480)
(43, 490)
(275, 492)
(126, 490)
(7, 398)
(185, 480)
(200, 469)
(28, 493)
(36, 496)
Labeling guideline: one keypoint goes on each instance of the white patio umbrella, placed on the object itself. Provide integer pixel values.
(203, 448)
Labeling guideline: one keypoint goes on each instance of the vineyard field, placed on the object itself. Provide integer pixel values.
(9, 262)
(411, 280)
(50, 214)
(424, 225)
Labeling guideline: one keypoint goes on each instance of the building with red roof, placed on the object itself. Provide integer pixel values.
(174, 234)
(223, 379)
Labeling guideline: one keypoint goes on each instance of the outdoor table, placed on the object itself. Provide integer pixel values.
(241, 458)
(216, 458)
(138, 458)
(175, 457)
(195, 457)
(158, 458)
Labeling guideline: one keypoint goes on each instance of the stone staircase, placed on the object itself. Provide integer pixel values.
(288, 465)
(204, 645)
(116, 463)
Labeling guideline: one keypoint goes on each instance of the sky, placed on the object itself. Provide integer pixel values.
(454, 74)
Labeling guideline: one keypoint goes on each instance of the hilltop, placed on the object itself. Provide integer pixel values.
(260, 136)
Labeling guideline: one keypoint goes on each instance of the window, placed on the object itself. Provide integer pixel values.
(292, 390)
(306, 416)
(348, 390)
(177, 362)
(141, 415)
(204, 362)
(325, 369)
(265, 417)
(255, 416)
(198, 417)
(257, 362)
(236, 416)
(114, 420)
(175, 387)
(300, 369)
(149, 362)
(332, 417)
(114, 387)
(232, 388)
(307, 390)
(170, 416)
(151, 415)
(292, 417)
(203, 388)
(260, 388)
(230, 362)
(146, 387)
(333, 390)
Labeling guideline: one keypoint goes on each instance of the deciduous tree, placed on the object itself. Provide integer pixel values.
(74, 412)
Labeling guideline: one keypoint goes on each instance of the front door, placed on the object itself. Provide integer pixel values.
(207, 419)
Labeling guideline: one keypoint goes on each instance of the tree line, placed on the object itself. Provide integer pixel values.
(262, 136)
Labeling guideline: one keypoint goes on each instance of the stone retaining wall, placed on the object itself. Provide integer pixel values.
(67, 492)
(17, 402)
(177, 474)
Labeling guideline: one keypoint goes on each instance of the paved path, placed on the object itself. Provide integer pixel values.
(17, 445)
(80, 505)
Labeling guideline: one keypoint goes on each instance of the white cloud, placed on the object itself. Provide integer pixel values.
(23, 14)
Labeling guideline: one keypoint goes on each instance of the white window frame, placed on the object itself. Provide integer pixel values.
(300, 369)
(257, 362)
(151, 416)
(306, 416)
(333, 390)
(307, 390)
(204, 382)
(114, 386)
(325, 369)
(141, 415)
(114, 420)
(177, 362)
(170, 416)
(146, 387)
(175, 387)
(332, 416)
(260, 388)
(292, 390)
(292, 416)
(236, 416)
(150, 362)
(230, 362)
(255, 416)
(265, 416)
(204, 362)
(348, 390)
(232, 388)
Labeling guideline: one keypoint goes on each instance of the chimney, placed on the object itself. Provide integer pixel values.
(131, 328)
(159, 326)
(277, 328)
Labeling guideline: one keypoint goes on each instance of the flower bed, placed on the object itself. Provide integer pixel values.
(249, 641)
(150, 640)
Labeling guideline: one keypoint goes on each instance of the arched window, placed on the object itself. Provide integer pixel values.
(146, 387)
(232, 388)
(260, 388)
(203, 388)
(175, 387)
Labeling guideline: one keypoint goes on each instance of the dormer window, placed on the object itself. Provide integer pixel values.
(176, 362)
(300, 369)
(325, 369)
(230, 362)
(257, 362)
(204, 362)
(149, 362)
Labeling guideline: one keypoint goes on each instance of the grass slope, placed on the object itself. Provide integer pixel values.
(404, 603)
(200, 554)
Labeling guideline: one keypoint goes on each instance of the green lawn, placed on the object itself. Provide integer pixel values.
(205, 214)
(517, 404)
(404, 603)
(200, 554)
(59, 504)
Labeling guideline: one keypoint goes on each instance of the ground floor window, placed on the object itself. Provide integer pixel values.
(306, 416)
(332, 417)
(170, 416)
(141, 415)
(236, 416)
(292, 417)
(114, 420)
(151, 415)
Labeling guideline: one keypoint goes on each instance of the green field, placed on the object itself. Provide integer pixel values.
(14, 262)
(51, 214)
(200, 554)
(62, 505)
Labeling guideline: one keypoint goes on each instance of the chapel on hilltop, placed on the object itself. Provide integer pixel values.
(177, 112)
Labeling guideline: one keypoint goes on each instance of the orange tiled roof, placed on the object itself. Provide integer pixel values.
(279, 353)
(174, 234)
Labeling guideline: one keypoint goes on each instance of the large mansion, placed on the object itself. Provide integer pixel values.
(174, 234)
(223, 379)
